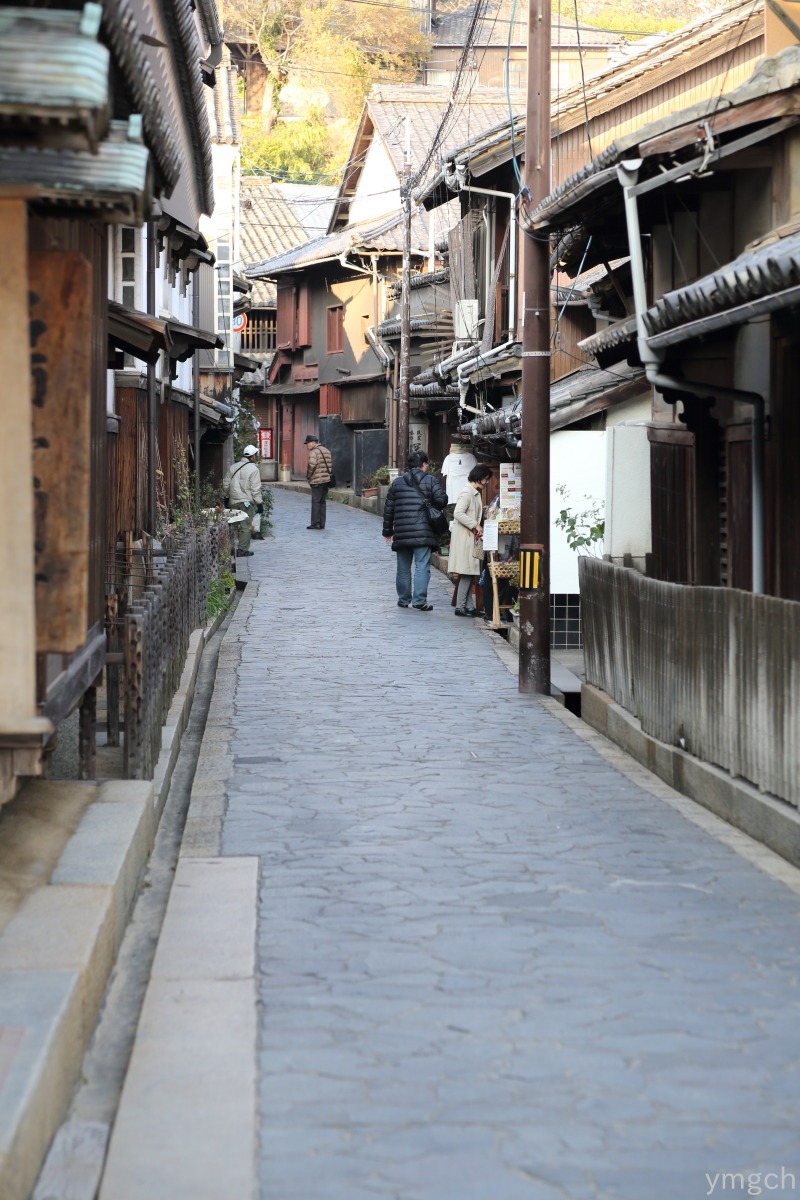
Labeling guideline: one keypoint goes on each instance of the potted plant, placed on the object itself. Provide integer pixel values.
(369, 486)
(383, 481)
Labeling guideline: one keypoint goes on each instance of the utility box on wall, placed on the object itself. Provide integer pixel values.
(370, 451)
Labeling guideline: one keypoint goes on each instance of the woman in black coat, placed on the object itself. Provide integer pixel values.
(406, 527)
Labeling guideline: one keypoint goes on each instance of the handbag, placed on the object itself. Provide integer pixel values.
(436, 518)
(331, 482)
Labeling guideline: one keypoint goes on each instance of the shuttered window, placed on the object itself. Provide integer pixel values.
(335, 336)
(286, 318)
(330, 400)
(303, 316)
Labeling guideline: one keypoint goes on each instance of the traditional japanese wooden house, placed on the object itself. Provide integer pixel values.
(103, 132)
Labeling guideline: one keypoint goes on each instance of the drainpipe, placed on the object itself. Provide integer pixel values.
(152, 398)
(628, 174)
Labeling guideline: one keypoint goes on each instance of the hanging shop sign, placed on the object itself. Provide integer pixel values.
(265, 443)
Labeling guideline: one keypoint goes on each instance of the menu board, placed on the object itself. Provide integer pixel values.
(510, 484)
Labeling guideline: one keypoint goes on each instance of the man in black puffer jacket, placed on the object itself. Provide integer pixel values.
(406, 527)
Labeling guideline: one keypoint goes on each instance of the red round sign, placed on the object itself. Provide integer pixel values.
(240, 323)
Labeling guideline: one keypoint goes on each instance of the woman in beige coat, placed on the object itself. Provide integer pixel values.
(465, 530)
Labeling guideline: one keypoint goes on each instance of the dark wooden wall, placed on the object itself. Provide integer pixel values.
(84, 236)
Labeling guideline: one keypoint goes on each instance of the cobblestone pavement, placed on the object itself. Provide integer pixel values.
(492, 966)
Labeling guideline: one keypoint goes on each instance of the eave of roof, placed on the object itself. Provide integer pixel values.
(383, 235)
(289, 390)
(570, 107)
(179, 19)
(145, 336)
(54, 71)
(611, 344)
(777, 77)
(122, 31)
(580, 394)
(116, 180)
(763, 279)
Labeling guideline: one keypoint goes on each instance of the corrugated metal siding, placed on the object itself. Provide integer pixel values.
(716, 667)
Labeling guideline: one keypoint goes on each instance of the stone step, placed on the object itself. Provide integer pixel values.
(56, 954)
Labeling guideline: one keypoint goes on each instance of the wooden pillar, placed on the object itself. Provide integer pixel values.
(17, 602)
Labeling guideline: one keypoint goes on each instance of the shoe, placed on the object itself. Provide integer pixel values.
(313, 527)
(244, 553)
(423, 607)
(465, 612)
(401, 605)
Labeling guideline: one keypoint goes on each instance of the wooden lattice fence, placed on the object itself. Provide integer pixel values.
(155, 634)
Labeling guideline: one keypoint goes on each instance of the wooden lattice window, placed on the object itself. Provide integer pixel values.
(335, 329)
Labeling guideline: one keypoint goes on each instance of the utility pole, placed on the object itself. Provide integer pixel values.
(534, 607)
(403, 393)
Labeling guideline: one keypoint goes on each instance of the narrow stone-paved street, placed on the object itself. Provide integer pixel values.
(492, 966)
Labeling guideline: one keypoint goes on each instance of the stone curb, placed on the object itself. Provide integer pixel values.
(762, 817)
(58, 950)
(186, 1123)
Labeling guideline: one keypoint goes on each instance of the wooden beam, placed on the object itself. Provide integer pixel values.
(764, 109)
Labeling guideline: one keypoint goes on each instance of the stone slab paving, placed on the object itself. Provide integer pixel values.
(491, 965)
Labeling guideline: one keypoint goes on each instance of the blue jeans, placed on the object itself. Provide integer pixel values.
(421, 556)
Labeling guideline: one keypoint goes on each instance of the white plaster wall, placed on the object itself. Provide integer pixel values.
(378, 191)
(578, 461)
(628, 528)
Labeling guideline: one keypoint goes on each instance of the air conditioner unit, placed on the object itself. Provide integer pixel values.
(466, 320)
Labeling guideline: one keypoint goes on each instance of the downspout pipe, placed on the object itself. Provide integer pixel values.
(628, 174)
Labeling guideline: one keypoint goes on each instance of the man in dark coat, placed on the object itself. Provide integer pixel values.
(406, 527)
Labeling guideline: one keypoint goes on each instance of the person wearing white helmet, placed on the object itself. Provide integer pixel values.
(242, 488)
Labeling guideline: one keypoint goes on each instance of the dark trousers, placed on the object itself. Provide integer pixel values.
(318, 506)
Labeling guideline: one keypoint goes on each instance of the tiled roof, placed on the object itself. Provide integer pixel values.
(268, 227)
(589, 386)
(64, 81)
(734, 25)
(311, 203)
(116, 178)
(224, 106)
(385, 234)
(473, 114)
(452, 28)
(779, 73)
(759, 281)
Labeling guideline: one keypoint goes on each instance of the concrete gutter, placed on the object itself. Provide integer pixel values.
(762, 817)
